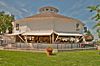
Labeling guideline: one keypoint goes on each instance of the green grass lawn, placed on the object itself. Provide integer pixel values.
(75, 58)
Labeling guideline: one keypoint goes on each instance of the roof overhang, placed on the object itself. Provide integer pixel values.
(47, 32)
(15, 33)
(12, 34)
(39, 33)
(69, 34)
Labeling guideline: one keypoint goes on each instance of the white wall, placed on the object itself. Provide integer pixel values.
(52, 24)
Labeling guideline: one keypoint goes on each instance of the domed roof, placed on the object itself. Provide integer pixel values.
(47, 14)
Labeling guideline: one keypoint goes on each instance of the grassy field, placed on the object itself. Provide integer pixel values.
(76, 58)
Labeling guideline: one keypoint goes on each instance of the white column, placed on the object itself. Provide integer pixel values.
(53, 38)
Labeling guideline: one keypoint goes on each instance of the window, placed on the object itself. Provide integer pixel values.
(85, 29)
(77, 27)
(52, 10)
(47, 9)
(17, 26)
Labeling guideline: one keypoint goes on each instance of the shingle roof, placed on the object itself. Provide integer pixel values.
(48, 15)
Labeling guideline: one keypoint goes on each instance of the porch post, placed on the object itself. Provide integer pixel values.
(26, 38)
(75, 39)
(52, 38)
(37, 39)
(56, 38)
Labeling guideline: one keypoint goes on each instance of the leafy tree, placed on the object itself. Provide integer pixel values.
(96, 17)
(88, 36)
(6, 22)
(95, 9)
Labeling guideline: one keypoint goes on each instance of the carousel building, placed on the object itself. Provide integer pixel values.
(48, 27)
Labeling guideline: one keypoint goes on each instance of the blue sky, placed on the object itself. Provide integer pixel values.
(72, 8)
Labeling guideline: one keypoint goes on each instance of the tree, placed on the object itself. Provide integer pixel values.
(96, 17)
(6, 22)
(95, 9)
(88, 36)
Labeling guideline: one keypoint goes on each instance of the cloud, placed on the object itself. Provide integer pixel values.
(9, 9)
(25, 10)
(3, 4)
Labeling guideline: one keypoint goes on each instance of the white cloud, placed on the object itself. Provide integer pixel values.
(9, 9)
(3, 4)
(25, 10)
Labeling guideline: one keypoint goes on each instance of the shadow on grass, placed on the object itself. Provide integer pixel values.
(54, 54)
